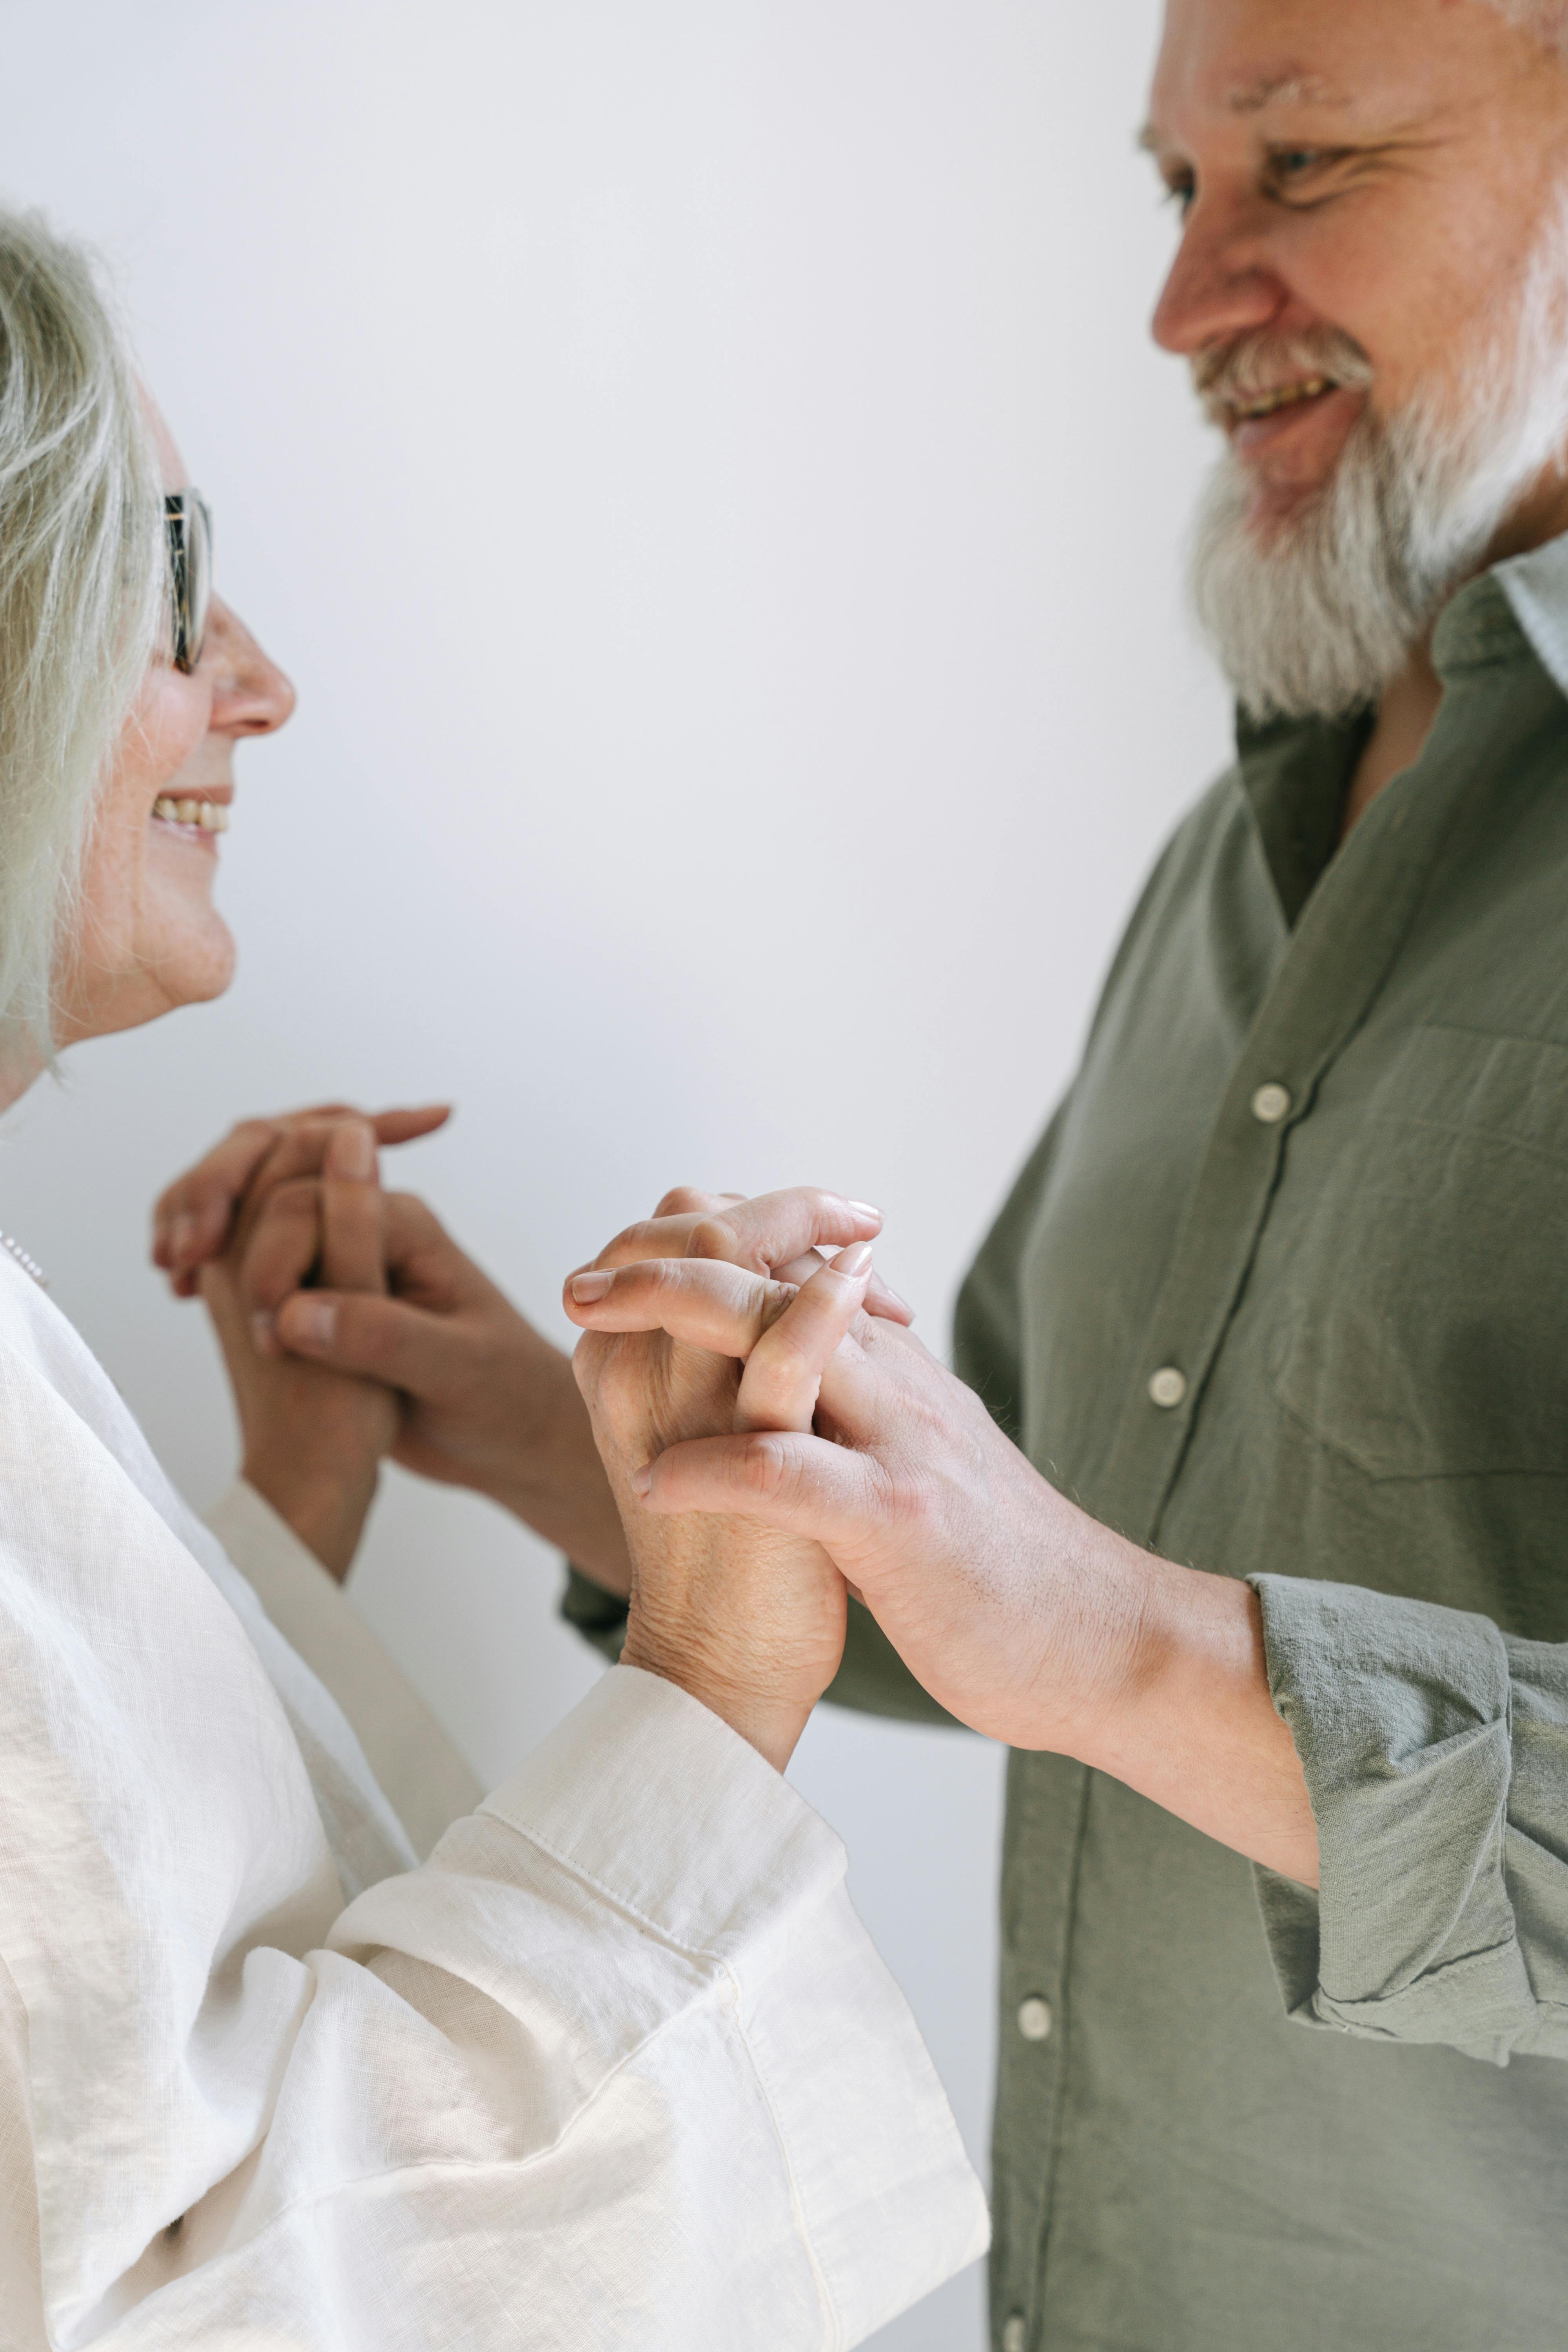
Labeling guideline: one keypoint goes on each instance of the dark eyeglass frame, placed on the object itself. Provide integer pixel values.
(188, 527)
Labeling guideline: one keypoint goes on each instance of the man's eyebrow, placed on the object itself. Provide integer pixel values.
(1290, 87)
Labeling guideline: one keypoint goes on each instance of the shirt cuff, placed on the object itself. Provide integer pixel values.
(651, 1800)
(420, 1772)
(1400, 1711)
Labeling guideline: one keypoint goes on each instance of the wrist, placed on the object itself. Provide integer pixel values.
(769, 1723)
(1194, 1726)
(326, 1511)
(1099, 1644)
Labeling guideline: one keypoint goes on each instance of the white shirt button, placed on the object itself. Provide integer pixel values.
(1014, 2333)
(1168, 1387)
(1034, 2018)
(1270, 1104)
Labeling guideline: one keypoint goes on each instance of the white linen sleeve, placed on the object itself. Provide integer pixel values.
(615, 2066)
(424, 1778)
(618, 2065)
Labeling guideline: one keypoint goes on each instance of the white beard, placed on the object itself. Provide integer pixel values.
(1318, 618)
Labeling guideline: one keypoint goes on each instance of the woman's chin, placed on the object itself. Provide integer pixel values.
(190, 968)
(201, 966)
(184, 946)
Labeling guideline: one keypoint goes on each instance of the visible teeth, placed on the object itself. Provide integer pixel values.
(1285, 395)
(210, 816)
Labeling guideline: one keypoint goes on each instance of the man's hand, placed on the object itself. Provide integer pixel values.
(749, 1620)
(1018, 1612)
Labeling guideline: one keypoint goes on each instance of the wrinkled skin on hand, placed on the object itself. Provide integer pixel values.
(748, 1619)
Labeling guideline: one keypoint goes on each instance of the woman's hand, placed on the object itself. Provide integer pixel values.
(481, 1399)
(195, 1219)
(313, 1438)
(749, 1620)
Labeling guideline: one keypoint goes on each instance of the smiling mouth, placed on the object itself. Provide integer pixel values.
(1242, 407)
(191, 816)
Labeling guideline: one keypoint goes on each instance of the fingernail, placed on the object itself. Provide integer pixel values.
(182, 1236)
(854, 1261)
(642, 1481)
(865, 1209)
(351, 1153)
(264, 1335)
(314, 1321)
(586, 1287)
(899, 1299)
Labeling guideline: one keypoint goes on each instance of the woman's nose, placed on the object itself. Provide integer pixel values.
(251, 696)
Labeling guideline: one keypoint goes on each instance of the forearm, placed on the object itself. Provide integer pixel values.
(1178, 1704)
(1200, 1734)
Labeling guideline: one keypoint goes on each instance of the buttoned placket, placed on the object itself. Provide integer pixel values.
(1341, 951)
(1345, 945)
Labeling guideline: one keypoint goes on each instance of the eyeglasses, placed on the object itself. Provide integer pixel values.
(188, 523)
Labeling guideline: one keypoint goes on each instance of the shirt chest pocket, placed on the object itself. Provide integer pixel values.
(1423, 1227)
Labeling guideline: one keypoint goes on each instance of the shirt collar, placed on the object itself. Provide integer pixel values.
(1536, 585)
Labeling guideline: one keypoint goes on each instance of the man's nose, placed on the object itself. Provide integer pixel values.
(251, 696)
(1219, 288)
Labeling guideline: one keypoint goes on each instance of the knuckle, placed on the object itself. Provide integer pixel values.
(711, 1236)
(823, 1205)
(787, 1356)
(912, 1498)
(771, 1472)
(367, 1337)
(683, 1201)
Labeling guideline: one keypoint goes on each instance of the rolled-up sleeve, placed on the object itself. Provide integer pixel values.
(1436, 1754)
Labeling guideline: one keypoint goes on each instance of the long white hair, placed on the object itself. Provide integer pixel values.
(82, 592)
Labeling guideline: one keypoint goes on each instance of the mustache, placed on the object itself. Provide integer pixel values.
(1224, 373)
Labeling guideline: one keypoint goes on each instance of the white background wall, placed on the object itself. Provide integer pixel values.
(703, 465)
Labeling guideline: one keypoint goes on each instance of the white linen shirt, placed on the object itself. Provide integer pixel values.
(615, 2066)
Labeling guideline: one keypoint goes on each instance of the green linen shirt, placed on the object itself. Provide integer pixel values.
(1283, 1292)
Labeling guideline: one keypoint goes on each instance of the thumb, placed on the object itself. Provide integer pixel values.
(801, 1483)
(365, 1332)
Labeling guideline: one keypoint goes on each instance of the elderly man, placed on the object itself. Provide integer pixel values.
(1246, 1524)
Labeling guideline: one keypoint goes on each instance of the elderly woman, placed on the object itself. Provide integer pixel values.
(615, 2063)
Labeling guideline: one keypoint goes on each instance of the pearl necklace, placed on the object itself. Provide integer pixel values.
(28, 1265)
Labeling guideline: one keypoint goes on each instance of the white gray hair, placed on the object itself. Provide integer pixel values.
(82, 592)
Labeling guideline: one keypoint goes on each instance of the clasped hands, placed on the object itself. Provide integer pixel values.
(764, 1436)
